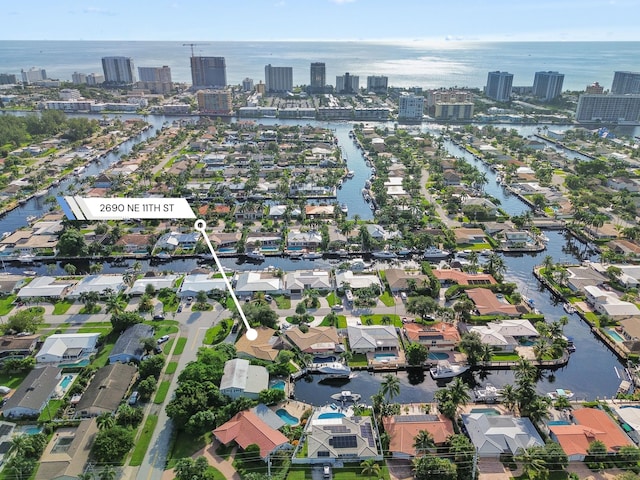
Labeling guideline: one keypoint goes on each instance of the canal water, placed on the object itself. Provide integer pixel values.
(590, 373)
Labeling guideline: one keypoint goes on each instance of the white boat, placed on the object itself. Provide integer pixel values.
(30, 273)
(559, 393)
(163, 256)
(311, 255)
(568, 308)
(27, 258)
(384, 254)
(434, 253)
(31, 219)
(487, 394)
(255, 255)
(333, 368)
(543, 238)
(346, 396)
(444, 369)
(350, 174)
(344, 208)
(294, 254)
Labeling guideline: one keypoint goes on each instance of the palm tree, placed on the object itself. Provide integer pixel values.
(390, 386)
(105, 421)
(541, 349)
(459, 392)
(423, 441)
(509, 397)
(86, 476)
(370, 468)
(533, 463)
(526, 371)
(108, 473)
(114, 305)
(547, 264)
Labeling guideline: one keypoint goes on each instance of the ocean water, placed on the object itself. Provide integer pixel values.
(407, 64)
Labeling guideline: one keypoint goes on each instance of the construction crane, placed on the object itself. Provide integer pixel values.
(193, 45)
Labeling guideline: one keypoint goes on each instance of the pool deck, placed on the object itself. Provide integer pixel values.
(293, 407)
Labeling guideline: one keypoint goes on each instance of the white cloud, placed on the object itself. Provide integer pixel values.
(341, 2)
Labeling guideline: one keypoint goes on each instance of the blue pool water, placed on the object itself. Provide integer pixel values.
(385, 356)
(31, 429)
(615, 335)
(227, 250)
(286, 417)
(279, 385)
(630, 406)
(486, 411)
(66, 381)
(558, 422)
(81, 363)
(438, 356)
(330, 415)
(295, 249)
(269, 249)
(324, 359)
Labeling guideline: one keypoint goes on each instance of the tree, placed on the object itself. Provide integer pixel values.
(108, 473)
(145, 304)
(148, 344)
(90, 300)
(95, 268)
(147, 386)
(370, 468)
(429, 467)
(189, 469)
(472, 345)
(416, 354)
(105, 421)
(112, 444)
(509, 397)
(423, 441)
(548, 264)
(151, 366)
(533, 463)
(120, 322)
(70, 269)
(114, 305)
(201, 422)
(24, 321)
(128, 416)
(462, 454)
(72, 244)
(390, 386)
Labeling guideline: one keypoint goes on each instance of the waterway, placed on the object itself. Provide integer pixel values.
(590, 373)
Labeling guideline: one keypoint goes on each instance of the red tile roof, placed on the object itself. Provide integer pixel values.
(463, 278)
(402, 434)
(444, 331)
(488, 304)
(246, 428)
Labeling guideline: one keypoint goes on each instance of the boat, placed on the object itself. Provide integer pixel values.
(569, 308)
(255, 255)
(294, 254)
(350, 174)
(346, 396)
(27, 258)
(434, 253)
(487, 394)
(403, 252)
(570, 345)
(384, 254)
(333, 368)
(444, 369)
(543, 238)
(163, 256)
(30, 273)
(344, 208)
(559, 393)
(340, 184)
(41, 193)
(31, 218)
(311, 255)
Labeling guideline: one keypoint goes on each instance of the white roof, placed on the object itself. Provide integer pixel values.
(372, 337)
(43, 287)
(356, 281)
(57, 344)
(512, 328)
(238, 373)
(98, 283)
(249, 282)
(496, 434)
(307, 279)
(194, 283)
(139, 286)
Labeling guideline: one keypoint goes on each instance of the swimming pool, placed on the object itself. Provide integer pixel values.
(438, 356)
(66, 381)
(279, 385)
(486, 411)
(269, 249)
(81, 363)
(324, 359)
(31, 429)
(385, 356)
(330, 415)
(286, 417)
(615, 335)
(227, 250)
(558, 422)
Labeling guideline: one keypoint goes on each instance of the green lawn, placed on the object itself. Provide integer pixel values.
(171, 368)
(333, 299)
(505, 357)
(143, 441)
(282, 302)
(185, 445)
(12, 380)
(216, 474)
(84, 311)
(358, 360)
(162, 391)
(169, 301)
(376, 319)
(342, 321)
(218, 333)
(49, 412)
(180, 344)
(103, 357)
(387, 299)
(6, 304)
(94, 329)
(354, 472)
(61, 307)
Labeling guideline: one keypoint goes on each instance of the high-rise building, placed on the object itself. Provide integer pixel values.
(453, 111)
(155, 79)
(278, 79)
(214, 101)
(95, 79)
(247, 84)
(625, 82)
(547, 85)
(410, 107)
(595, 88)
(8, 79)
(33, 75)
(377, 83)
(318, 78)
(347, 83)
(78, 78)
(118, 70)
(620, 109)
(208, 72)
(499, 86)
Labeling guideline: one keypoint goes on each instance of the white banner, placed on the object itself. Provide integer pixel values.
(129, 208)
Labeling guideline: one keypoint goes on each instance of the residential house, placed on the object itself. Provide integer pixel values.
(296, 282)
(623, 183)
(607, 302)
(488, 205)
(248, 212)
(27, 242)
(128, 346)
(225, 242)
(466, 236)
(317, 340)
(67, 348)
(303, 240)
(589, 425)
(245, 429)
(581, 277)
(175, 240)
(378, 232)
(373, 338)
(135, 242)
(46, 287)
(106, 390)
(495, 435)
(333, 439)
(248, 283)
(356, 281)
(33, 393)
(403, 429)
(487, 303)
(454, 276)
(10, 283)
(518, 239)
(625, 247)
(268, 416)
(200, 282)
(100, 284)
(158, 282)
(14, 346)
(240, 379)
(439, 337)
(401, 280)
(266, 241)
(66, 455)
(451, 178)
(505, 335)
(319, 211)
(265, 347)
(277, 212)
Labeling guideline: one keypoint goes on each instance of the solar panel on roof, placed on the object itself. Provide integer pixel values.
(4, 429)
(415, 418)
(344, 441)
(5, 447)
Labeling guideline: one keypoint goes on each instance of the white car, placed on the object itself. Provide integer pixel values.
(4, 390)
(163, 339)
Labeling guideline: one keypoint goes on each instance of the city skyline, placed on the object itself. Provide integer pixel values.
(362, 20)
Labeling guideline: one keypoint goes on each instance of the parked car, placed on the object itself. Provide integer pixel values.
(4, 390)
(159, 316)
(337, 307)
(133, 399)
(234, 329)
(163, 339)
(157, 349)
(179, 308)
(326, 471)
(268, 298)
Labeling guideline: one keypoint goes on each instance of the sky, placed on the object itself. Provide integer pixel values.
(368, 20)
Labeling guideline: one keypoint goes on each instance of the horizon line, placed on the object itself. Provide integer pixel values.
(325, 40)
